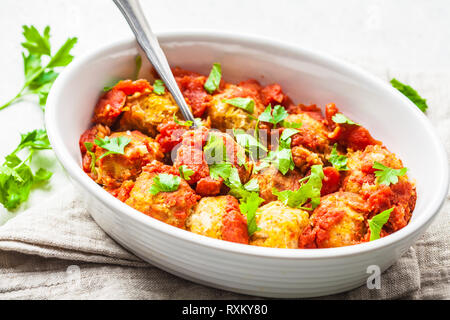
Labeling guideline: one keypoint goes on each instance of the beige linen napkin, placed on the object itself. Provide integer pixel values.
(56, 250)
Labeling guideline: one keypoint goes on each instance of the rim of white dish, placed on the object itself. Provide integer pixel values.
(75, 171)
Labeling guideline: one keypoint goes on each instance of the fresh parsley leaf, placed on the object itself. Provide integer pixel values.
(185, 172)
(294, 125)
(158, 87)
(282, 157)
(90, 150)
(307, 191)
(16, 176)
(248, 206)
(246, 104)
(338, 161)
(250, 144)
(277, 115)
(213, 81)
(222, 170)
(377, 223)
(411, 94)
(340, 118)
(165, 183)
(138, 65)
(386, 175)
(252, 185)
(39, 77)
(259, 166)
(214, 149)
(182, 123)
(113, 145)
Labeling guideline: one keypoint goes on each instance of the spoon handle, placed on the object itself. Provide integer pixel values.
(132, 12)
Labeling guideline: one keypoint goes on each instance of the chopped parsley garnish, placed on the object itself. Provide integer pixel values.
(16, 176)
(248, 206)
(386, 175)
(340, 118)
(213, 81)
(89, 148)
(338, 161)
(188, 123)
(246, 104)
(214, 149)
(138, 65)
(307, 191)
(411, 94)
(185, 172)
(275, 116)
(377, 223)
(113, 145)
(164, 182)
(281, 158)
(294, 125)
(158, 87)
(222, 170)
(39, 77)
(250, 144)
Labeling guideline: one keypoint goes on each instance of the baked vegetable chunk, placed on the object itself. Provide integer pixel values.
(110, 170)
(172, 207)
(338, 221)
(220, 218)
(280, 226)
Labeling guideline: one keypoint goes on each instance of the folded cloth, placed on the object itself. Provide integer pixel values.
(55, 250)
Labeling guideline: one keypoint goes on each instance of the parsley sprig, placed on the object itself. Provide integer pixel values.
(411, 94)
(165, 182)
(159, 87)
(113, 145)
(246, 104)
(340, 118)
(307, 191)
(386, 175)
(39, 76)
(377, 223)
(213, 81)
(337, 160)
(281, 158)
(16, 175)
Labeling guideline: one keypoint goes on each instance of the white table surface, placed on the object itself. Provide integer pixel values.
(401, 36)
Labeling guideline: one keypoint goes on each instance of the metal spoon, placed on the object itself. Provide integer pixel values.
(132, 12)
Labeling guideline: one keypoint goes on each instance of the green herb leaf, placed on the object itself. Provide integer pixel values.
(90, 150)
(36, 43)
(338, 161)
(214, 149)
(39, 78)
(277, 115)
(294, 125)
(282, 157)
(165, 183)
(222, 170)
(386, 175)
(244, 103)
(182, 123)
(250, 144)
(308, 191)
(113, 145)
(158, 87)
(16, 176)
(185, 172)
(377, 223)
(138, 65)
(252, 185)
(411, 94)
(340, 118)
(248, 207)
(213, 81)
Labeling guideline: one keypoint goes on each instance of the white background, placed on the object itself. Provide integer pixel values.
(390, 38)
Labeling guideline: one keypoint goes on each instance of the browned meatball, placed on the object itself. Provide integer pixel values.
(338, 221)
(113, 169)
(172, 207)
(270, 177)
(226, 116)
(219, 218)
(280, 226)
(145, 112)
